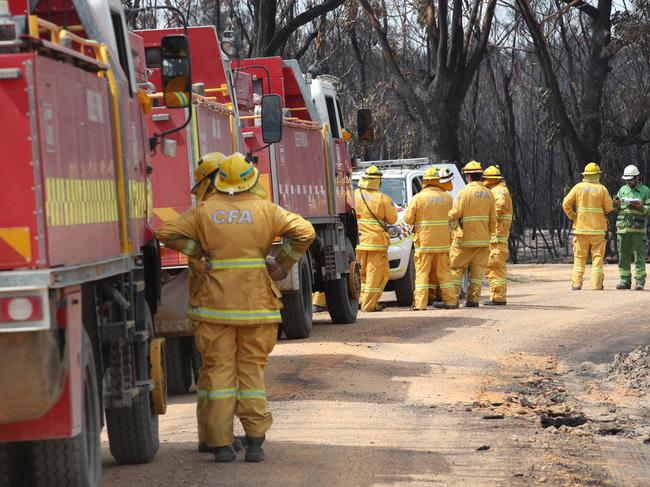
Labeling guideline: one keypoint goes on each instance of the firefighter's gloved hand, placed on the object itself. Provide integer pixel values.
(276, 270)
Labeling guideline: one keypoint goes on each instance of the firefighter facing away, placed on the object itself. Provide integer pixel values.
(374, 211)
(237, 309)
(592, 203)
(428, 213)
(496, 270)
(474, 220)
(633, 204)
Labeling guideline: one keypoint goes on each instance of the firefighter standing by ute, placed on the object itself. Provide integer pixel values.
(496, 270)
(473, 217)
(592, 202)
(374, 211)
(633, 204)
(428, 213)
(237, 308)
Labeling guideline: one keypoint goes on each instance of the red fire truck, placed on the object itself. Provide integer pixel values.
(307, 172)
(79, 268)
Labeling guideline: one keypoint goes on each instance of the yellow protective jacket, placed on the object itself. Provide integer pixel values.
(428, 213)
(592, 202)
(235, 234)
(374, 211)
(474, 213)
(503, 205)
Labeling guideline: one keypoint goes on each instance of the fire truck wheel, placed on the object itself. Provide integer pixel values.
(405, 286)
(297, 311)
(342, 306)
(178, 355)
(133, 431)
(74, 461)
(197, 362)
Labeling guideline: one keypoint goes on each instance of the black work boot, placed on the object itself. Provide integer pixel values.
(442, 305)
(254, 451)
(471, 304)
(624, 285)
(224, 454)
(238, 443)
(491, 302)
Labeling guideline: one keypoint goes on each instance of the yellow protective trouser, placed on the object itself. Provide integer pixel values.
(476, 258)
(582, 244)
(374, 276)
(431, 273)
(497, 273)
(231, 380)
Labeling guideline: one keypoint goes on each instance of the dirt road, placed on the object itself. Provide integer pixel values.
(505, 396)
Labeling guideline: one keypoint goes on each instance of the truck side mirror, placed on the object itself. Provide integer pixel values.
(365, 131)
(176, 71)
(271, 119)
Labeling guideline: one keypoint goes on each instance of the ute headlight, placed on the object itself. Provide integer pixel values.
(394, 231)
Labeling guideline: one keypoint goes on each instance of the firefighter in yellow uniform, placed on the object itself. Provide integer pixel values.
(428, 213)
(374, 211)
(237, 308)
(592, 202)
(474, 220)
(496, 270)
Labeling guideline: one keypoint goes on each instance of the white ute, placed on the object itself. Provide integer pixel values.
(402, 179)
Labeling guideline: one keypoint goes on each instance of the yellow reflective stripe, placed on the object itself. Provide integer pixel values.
(235, 314)
(216, 393)
(504, 217)
(251, 394)
(597, 270)
(237, 263)
(590, 210)
(579, 231)
(431, 222)
(433, 247)
(498, 281)
(475, 218)
(447, 286)
(425, 286)
(502, 239)
(369, 221)
(474, 242)
(371, 247)
(476, 281)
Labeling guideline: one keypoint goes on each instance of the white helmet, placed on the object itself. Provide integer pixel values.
(630, 172)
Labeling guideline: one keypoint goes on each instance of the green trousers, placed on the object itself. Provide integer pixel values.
(632, 244)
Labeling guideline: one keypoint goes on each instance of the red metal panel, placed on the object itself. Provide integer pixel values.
(16, 123)
(301, 172)
(78, 164)
(18, 7)
(213, 127)
(137, 159)
(64, 420)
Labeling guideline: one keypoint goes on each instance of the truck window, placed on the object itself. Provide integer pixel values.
(153, 56)
(120, 38)
(338, 109)
(416, 185)
(331, 113)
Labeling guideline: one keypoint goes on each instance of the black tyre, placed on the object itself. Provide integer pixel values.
(178, 357)
(133, 431)
(342, 307)
(405, 286)
(197, 362)
(74, 461)
(297, 310)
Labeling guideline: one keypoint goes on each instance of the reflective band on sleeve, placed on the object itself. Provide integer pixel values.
(272, 315)
(251, 394)
(190, 247)
(289, 252)
(504, 217)
(502, 239)
(216, 393)
(237, 263)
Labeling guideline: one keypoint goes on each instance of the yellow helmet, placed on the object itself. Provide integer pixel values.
(473, 167)
(591, 169)
(236, 174)
(373, 173)
(431, 173)
(492, 172)
(207, 165)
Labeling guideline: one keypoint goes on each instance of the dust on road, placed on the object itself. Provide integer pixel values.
(457, 397)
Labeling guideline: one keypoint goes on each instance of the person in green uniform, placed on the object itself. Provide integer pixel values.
(633, 204)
